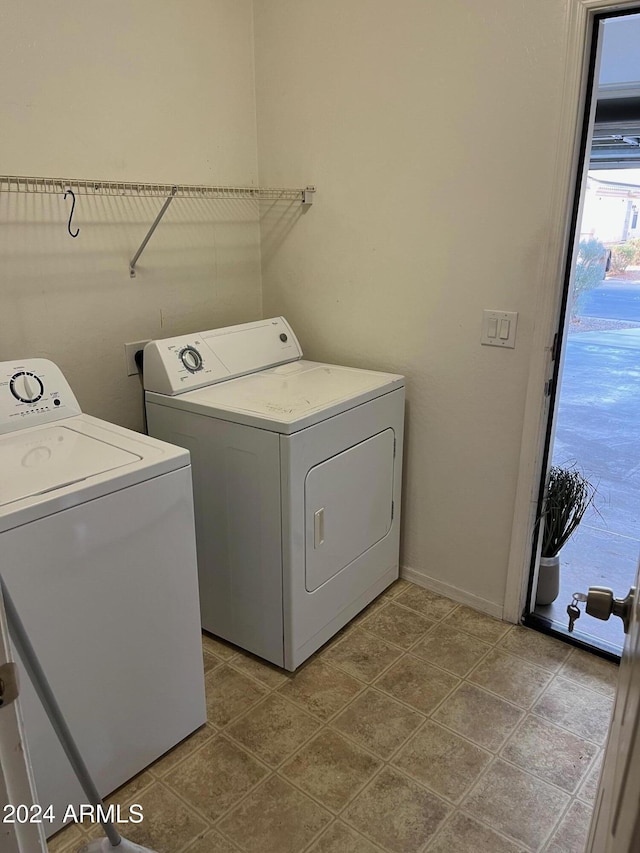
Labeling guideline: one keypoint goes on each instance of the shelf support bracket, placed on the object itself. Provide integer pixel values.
(134, 259)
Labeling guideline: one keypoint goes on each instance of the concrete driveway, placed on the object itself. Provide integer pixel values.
(614, 299)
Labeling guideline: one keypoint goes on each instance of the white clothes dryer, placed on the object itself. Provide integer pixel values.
(97, 548)
(297, 471)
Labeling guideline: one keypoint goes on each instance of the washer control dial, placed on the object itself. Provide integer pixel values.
(26, 387)
(191, 359)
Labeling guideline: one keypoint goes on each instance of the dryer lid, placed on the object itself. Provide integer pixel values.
(293, 392)
(36, 461)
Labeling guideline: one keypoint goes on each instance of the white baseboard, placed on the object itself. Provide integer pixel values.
(459, 595)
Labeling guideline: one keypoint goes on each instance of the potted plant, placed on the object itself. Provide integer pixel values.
(567, 497)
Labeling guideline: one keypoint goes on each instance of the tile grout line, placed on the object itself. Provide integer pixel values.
(459, 811)
(325, 720)
(482, 690)
(549, 838)
(599, 693)
(377, 848)
(431, 631)
(516, 731)
(385, 766)
(484, 822)
(599, 755)
(262, 782)
(164, 786)
(520, 659)
(534, 777)
(387, 762)
(539, 716)
(211, 822)
(446, 621)
(326, 724)
(448, 800)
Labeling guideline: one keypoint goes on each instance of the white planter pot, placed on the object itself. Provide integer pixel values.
(548, 580)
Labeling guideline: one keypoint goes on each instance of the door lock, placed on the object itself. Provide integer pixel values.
(601, 604)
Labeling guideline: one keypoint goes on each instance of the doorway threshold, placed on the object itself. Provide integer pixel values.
(581, 639)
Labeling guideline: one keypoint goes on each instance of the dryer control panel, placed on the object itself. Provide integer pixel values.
(33, 391)
(184, 363)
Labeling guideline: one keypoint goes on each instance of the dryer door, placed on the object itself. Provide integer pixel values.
(348, 506)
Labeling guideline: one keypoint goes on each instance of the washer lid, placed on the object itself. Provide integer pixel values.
(289, 397)
(37, 461)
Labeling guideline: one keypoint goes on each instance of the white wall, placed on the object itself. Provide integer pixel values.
(137, 91)
(425, 127)
(429, 129)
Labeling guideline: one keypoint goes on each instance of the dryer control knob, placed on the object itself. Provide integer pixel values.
(26, 387)
(191, 359)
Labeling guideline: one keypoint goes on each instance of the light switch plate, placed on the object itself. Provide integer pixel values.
(499, 328)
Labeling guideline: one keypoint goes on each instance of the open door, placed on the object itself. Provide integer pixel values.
(592, 425)
(17, 788)
(616, 818)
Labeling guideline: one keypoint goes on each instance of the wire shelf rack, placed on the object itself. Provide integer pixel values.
(54, 186)
(135, 189)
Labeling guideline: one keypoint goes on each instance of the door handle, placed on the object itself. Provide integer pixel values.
(318, 528)
(601, 604)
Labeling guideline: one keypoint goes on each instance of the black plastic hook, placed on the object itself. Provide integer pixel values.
(73, 205)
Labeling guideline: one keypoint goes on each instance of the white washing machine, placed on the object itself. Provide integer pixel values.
(297, 479)
(97, 548)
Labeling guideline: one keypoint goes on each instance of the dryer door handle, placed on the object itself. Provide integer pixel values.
(318, 528)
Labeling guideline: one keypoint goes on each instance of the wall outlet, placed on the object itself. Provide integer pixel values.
(130, 351)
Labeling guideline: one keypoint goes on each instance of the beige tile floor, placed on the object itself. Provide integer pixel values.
(424, 726)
